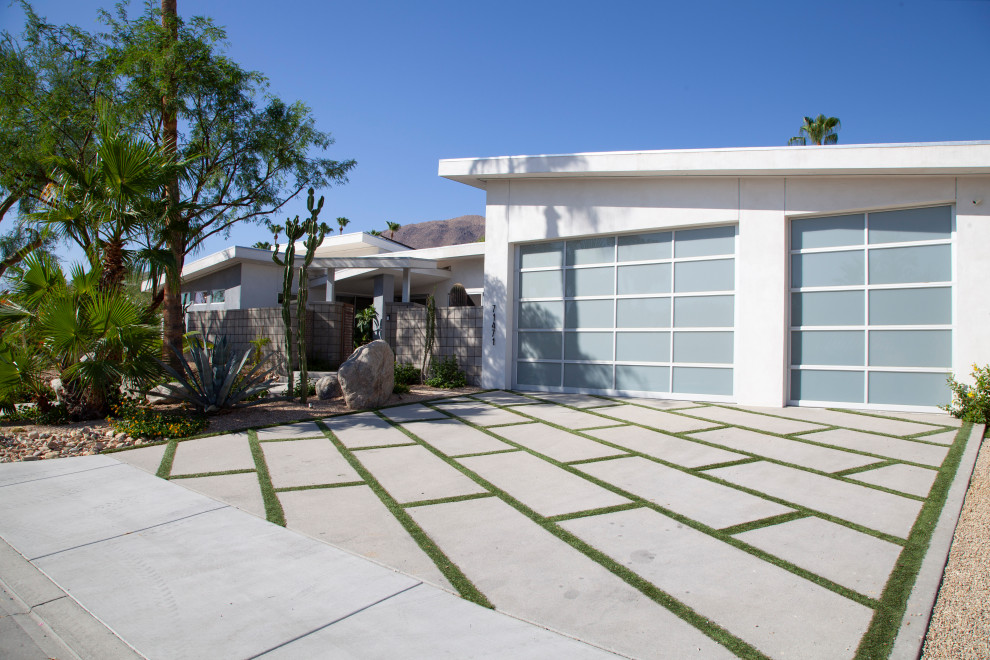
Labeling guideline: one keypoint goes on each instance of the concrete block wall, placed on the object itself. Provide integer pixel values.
(459, 333)
(329, 328)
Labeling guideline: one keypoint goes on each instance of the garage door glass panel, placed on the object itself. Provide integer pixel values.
(702, 380)
(827, 269)
(642, 313)
(588, 376)
(929, 263)
(642, 346)
(540, 345)
(541, 315)
(911, 348)
(714, 347)
(642, 379)
(812, 385)
(832, 347)
(545, 374)
(645, 247)
(827, 308)
(589, 313)
(595, 346)
(646, 278)
(911, 306)
(715, 275)
(909, 389)
(832, 231)
(541, 255)
(590, 282)
(541, 284)
(704, 312)
(929, 224)
(591, 251)
(710, 241)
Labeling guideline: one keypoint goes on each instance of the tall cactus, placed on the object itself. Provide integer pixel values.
(315, 233)
(294, 230)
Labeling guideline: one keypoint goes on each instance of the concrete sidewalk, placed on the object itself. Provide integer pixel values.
(103, 560)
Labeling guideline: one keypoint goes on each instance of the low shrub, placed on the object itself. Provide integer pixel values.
(297, 389)
(139, 422)
(971, 402)
(406, 374)
(55, 415)
(446, 374)
(400, 388)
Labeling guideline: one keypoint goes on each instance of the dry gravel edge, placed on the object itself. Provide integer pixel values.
(960, 624)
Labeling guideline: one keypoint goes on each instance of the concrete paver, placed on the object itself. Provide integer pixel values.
(503, 398)
(540, 578)
(256, 584)
(855, 560)
(659, 404)
(421, 623)
(240, 490)
(480, 413)
(543, 487)
(905, 450)
(705, 501)
(788, 451)
(366, 430)
(413, 474)
(147, 458)
(946, 438)
(306, 463)
(217, 453)
(353, 518)
(414, 412)
(753, 420)
(846, 419)
(665, 447)
(454, 437)
(781, 614)
(86, 507)
(657, 419)
(556, 443)
(567, 417)
(573, 400)
(295, 431)
(941, 419)
(904, 478)
(15, 473)
(871, 508)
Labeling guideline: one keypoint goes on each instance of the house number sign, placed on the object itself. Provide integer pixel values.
(493, 325)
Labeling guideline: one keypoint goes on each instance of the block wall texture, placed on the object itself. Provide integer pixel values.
(329, 329)
(459, 333)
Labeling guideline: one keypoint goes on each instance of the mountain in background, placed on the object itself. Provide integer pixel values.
(436, 233)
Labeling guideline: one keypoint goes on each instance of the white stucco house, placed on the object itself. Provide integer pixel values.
(854, 276)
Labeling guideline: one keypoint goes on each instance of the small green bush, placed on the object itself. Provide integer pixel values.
(406, 374)
(297, 389)
(445, 374)
(400, 388)
(140, 422)
(55, 415)
(971, 402)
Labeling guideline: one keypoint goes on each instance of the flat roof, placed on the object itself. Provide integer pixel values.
(907, 158)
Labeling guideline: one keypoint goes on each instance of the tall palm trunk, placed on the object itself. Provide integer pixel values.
(113, 265)
(175, 236)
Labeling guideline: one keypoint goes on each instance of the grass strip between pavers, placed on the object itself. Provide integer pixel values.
(341, 484)
(595, 512)
(764, 522)
(714, 631)
(448, 568)
(865, 468)
(447, 500)
(221, 473)
(403, 444)
(882, 633)
(165, 467)
(273, 508)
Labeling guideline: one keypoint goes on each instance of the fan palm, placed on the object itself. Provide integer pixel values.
(392, 228)
(820, 130)
(342, 222)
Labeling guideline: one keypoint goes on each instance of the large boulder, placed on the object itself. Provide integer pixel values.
(327, 388)
(368, 376)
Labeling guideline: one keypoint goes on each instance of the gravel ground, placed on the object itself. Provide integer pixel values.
(960, 624)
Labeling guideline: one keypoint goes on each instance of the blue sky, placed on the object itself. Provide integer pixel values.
(401, 85)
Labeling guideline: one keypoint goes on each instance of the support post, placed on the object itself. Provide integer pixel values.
(384, 293)
(330, 284)
(405, 285)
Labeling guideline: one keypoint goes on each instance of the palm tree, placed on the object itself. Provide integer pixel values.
(392, 228)
(342, 222)
(820, 130)
(375, 232)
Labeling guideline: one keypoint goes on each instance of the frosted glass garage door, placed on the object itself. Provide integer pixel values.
(871, 308)
(642, 313)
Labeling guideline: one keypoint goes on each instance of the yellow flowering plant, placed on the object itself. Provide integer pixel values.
(971, 402)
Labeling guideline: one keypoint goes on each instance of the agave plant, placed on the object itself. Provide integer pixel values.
(216, 378)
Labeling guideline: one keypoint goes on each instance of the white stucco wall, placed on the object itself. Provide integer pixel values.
(261, 284)
(523, 210)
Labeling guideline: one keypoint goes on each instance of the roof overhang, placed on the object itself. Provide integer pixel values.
(950, 158)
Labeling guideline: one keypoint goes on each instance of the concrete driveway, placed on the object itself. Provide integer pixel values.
(645, 528)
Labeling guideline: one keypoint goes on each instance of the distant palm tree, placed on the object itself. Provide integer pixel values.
(392, 228)
(342, 222)
(375, 232)
(263, 245)
(820, 130)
